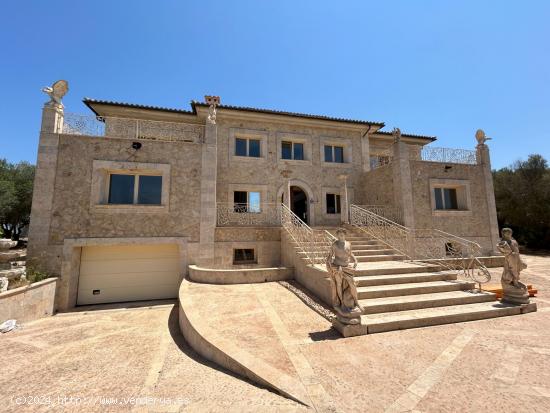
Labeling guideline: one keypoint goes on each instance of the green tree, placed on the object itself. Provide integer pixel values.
(16, 182)
(522, 193)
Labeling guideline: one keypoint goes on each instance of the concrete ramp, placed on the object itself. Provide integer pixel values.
(239, 327)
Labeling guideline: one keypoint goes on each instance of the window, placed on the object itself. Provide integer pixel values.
(244, 256)
(247, 147)
(244, 201)
(334, 154)
(292, 150)
(135, 189)
(333, 203)
(445, 198)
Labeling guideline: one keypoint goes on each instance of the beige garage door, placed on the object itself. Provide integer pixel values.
(118, 273)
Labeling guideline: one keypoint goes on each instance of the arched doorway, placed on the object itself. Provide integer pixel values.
(298, 203)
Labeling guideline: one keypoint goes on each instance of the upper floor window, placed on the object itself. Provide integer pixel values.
(334, 154)
(244, 201)
(292, 150)
(445, 198)
(126, 189)
(333, 203)
(247, 147)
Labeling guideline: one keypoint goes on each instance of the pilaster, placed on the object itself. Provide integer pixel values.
(484, 162)
(402, 182)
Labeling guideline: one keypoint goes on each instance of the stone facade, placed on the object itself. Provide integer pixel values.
(201, 171)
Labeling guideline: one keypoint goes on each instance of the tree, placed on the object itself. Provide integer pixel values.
(16, 182)
(522, 194)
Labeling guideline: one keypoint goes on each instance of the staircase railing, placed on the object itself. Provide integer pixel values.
(384, 230)
(425, 245)
(315, 244)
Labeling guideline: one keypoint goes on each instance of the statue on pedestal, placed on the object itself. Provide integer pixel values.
(513, 290)
(56, 93)
(344, 291)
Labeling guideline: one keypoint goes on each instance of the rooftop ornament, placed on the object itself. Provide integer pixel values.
(213, 101)
(56, 93)
(481, 137)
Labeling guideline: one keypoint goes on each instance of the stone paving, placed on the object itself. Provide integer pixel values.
(494, 365)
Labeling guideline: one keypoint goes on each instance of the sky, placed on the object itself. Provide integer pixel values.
(428, 67)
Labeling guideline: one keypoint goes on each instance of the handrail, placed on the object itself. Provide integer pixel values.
(426, 245)
(314, 243)
(394, 235)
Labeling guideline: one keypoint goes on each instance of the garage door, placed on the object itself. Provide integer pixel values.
(118, 273)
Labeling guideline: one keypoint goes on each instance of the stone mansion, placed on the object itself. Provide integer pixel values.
(129, 197)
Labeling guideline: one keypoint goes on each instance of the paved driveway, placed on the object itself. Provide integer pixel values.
(98, 360)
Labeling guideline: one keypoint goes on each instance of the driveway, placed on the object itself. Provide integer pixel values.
(113, 358)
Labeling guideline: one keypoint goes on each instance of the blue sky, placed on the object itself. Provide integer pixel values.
(429, 67)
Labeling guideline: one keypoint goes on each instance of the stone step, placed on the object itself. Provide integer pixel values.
(365, 252)
(400, 320)
(417, 301)
(391, 279)
(372, 246)
(378, 291)
(392, 267)
(383, 257)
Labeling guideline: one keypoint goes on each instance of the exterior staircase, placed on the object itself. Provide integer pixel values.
(397, 294)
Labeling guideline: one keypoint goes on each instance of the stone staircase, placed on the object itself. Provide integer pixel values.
(397, 294)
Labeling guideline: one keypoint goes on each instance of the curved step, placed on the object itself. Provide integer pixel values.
(239, 275)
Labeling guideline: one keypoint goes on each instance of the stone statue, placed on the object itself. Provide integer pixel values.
(56, 92)
(344, 291)
(481, 137)
(396, 133)
(213, 101)
(513, 290)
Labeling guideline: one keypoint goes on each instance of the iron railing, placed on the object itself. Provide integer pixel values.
(446, 155)
(392, 213)
(315, 244)
(235, 214)
(381, 158)
(431, 246)
(128, 128)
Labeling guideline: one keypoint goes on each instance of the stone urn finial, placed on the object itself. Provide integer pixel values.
(481, 137)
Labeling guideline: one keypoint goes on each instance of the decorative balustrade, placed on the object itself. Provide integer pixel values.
(381, 158)
(232, 214)
(383, 229)
(315, 244)
(392, 213)
(446, 155)
(426, 245)
(76, 124)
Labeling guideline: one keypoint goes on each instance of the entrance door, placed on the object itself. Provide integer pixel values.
(298, 203)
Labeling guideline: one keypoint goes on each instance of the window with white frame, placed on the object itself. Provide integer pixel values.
(248, 147)
(129, 189)
(446, 198)
(450, 195)
(292, 150)
(334, 153)
(333, 203)
(246, 201)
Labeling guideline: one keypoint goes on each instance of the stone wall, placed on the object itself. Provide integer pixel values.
(265, 173)
(73, 214)
(472, 224)
(377, 187)
(266, 242)
(30, 302)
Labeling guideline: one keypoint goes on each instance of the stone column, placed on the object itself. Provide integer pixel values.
(39, 253)
(365, 152)
(402, 182)
(286, 198)
(484, 162)
(208, 208)
(344, 201)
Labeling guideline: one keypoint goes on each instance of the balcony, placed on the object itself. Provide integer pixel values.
(230, 214)
(128, 128)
